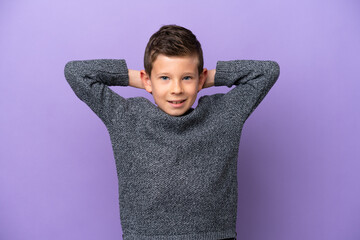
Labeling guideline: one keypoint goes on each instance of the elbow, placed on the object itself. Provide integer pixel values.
(67, 70)
(69, 66)
(70, 71)
(274, 70)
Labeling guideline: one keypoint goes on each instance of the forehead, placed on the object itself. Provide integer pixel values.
(175, 64)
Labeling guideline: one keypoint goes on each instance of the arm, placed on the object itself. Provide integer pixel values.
(89, 79)
(135, 80)
(253, 80)
(209, 82)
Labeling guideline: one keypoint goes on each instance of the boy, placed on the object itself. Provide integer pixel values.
(176, 166)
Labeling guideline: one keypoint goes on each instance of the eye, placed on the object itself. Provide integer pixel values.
(187, 77)
(164, 77)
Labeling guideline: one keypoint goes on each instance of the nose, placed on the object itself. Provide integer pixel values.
(177, 87)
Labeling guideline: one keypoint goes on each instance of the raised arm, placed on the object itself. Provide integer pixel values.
(253, 80)
(135, 80)
(209, 82)
(89, 79)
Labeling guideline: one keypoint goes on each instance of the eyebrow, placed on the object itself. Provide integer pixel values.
(165, 73)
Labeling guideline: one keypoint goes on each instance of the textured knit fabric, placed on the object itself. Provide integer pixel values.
(177, 175)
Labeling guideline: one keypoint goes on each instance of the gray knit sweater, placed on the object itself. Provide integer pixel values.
(177, 174)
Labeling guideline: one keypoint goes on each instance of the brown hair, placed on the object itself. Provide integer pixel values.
(172, 40)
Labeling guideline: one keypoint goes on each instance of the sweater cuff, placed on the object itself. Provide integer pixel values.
(118, 67)
(223, 68)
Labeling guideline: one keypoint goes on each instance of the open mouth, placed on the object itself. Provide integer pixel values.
(176, 102)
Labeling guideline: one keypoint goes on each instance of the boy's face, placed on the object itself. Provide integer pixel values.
(174, 83)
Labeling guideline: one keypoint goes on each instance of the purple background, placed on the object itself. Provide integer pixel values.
(299, 170)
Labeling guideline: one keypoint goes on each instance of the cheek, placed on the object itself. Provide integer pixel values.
(159, 92)
(193, 90)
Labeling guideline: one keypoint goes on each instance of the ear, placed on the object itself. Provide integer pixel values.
(146, 81)
(202, 79)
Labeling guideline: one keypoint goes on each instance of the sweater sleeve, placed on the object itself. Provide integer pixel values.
(89, 79)
(253, 80)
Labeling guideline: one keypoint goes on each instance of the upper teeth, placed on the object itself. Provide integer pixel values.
(177, 102)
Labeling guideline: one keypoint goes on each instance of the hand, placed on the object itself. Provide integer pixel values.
(209, 82)
(135, 80)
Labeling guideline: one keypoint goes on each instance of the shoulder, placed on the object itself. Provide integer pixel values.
(138, 102)
(213, 103)
(206, 99)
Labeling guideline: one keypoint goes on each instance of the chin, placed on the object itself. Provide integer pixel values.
(176, 113)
